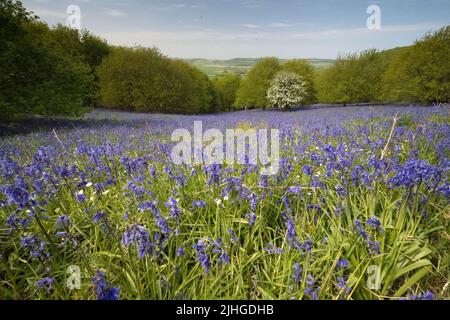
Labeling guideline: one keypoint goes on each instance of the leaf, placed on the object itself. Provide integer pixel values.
(411, 281)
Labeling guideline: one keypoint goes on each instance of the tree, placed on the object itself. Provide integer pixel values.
(305, 70)
(253, 89)
(287, 89)
(353, 78)
(142, 79)
(420, 73)
(226, 87)
(39, 75)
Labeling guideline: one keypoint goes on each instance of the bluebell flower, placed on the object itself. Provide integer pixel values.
(428, 295)
(175, 211)
(81, 197)
(307, 170)
(233, 237)
(297, 273)
(16, 223)
(35, 246)
(103, 289)
(199, 204)
(374, 247)
(137, 234)
(375, 223)
(342, 263)
(202, 256)
(272, 249)
(17, 195)
(180, 251)
(360, 229)
(45, 284)
(251, 217)
(62, 222)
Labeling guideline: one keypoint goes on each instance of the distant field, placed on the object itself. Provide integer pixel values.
(240, 65)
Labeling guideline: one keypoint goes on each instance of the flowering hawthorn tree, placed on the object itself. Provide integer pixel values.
(286, 90)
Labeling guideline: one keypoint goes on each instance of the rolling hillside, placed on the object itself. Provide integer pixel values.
(240, 65)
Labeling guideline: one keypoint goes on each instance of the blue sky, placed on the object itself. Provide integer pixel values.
(223, 29)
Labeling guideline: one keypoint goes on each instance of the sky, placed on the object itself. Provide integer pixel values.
(224, 29)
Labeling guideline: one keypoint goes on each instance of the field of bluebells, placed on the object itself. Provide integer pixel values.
(358, 210)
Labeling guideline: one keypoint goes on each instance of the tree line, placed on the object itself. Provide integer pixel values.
(61, 71)
(416, 74)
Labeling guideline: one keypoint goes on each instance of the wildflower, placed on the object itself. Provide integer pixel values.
(297, 273)
(81, 197)
(137, 234)
(273, 250)
(180, 251)
(307, 170)
(175, 211)
(202, 256)
(361, 231)
(342, 263)
(233, 237)
(103, 289)
(16, 223)
(428, 295)
(45, 284)
(199, 204)
(375, 223)
(17, 195)
(251, 217)
(35, 246)
(295, 190)
(374, 247)
(62, 222)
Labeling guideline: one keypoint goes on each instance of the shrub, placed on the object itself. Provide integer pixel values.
(286, 90)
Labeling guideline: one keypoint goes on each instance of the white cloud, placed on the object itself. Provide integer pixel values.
(251, 26)
(113, 13)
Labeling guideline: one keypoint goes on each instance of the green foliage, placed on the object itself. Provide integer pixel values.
(306, 71)
(354, 78)
(226, 87)
(421, 73)
(142, 79)
(287, 89)
(43, 71)
(253, 89)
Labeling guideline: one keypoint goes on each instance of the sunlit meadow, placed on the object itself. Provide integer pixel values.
(358, 210)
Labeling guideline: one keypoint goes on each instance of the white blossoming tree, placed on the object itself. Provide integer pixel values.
(287, 90)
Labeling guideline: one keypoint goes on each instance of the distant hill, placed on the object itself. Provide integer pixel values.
(241, 65)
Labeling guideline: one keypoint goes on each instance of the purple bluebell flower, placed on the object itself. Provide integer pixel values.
(199, 204)
(202, 256)
(180, 251)
(137, 234)
(360, 229)
(233, 237)
(427, 295)
(375, 223)
(103, 289)
(35, 246)
(251, 217)
(45, 284)
(307, 170)
(62, 222)
(272, 249)
(16, 223)
(342, 263)
(297, 273)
